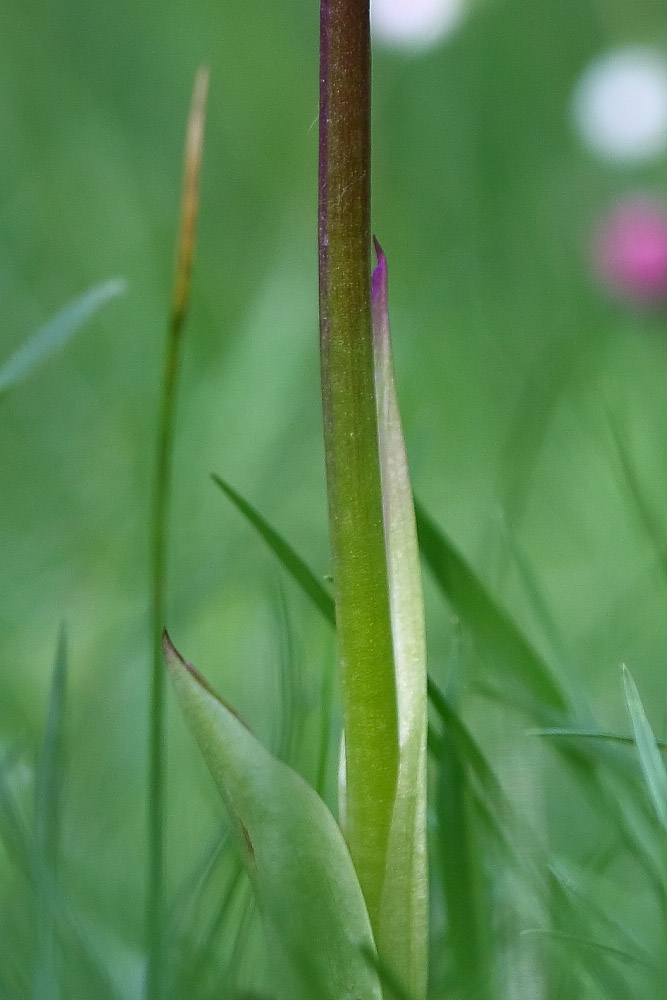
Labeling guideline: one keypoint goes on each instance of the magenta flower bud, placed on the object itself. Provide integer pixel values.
(631, 251)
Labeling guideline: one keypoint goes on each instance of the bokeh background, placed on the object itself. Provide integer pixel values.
(533, 397)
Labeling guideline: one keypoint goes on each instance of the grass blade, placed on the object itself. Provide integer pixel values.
(608, 949)
(311, 586)
(468, 908)
(646, 516)
(647, 748)
(290, 559)
(21, 850)
(55, 334)
(559, 732)
(159, 530)
(50, 766)
(48, 802)
(501, 643)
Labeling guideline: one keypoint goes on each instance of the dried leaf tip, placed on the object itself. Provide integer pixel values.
(168, 648)
(174, 659)
(194, 145)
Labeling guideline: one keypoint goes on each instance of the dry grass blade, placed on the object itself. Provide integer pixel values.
(160, 518)
(194, 147)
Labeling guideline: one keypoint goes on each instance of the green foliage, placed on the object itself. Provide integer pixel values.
(647, 748)
(293, 850)
(287, 555)
(511, 368)
(509, 657)
(33, 850)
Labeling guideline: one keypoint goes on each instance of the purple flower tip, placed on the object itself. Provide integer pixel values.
(379, 276)
(631, 251)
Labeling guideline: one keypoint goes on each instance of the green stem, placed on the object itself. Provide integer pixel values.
(351, 445)
(160, 524)
(156, 807)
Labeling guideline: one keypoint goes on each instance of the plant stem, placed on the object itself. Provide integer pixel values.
(350, 437)
(160, 520)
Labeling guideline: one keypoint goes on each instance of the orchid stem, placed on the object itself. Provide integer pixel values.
(351, 443)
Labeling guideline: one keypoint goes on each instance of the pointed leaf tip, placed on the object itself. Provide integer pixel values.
(379, 278)
(173, 659)
(650, 760)
(403, 929)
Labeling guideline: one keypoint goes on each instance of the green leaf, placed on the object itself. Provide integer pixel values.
(403, 930)
(291, 560)
(647, 748)
(295, 854)
(55, 334)
(500, 642)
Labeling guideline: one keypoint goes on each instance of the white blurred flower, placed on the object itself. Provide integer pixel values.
(620, 105)
(414, 24)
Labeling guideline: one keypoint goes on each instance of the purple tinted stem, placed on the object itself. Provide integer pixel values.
(350, 437)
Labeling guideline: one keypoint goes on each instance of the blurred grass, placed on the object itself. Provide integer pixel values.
(514, 377)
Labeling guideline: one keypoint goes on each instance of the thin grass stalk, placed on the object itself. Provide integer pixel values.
(47, 828)
(350, 438)
(160, 520)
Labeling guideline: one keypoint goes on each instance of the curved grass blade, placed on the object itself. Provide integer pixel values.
(561, 732)
(607, 949)
(652, 766)
(501, 821)
(294, 852)
(608, 967)
(290, 559)
(311, 586)
(195, 885)
(647, 518)
(53, 336)
(403, 934)
(211, 947)
(500, 641)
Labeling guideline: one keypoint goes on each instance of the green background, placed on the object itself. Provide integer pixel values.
(513, 369)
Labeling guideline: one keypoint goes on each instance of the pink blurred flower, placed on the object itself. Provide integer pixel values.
(631, 251)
